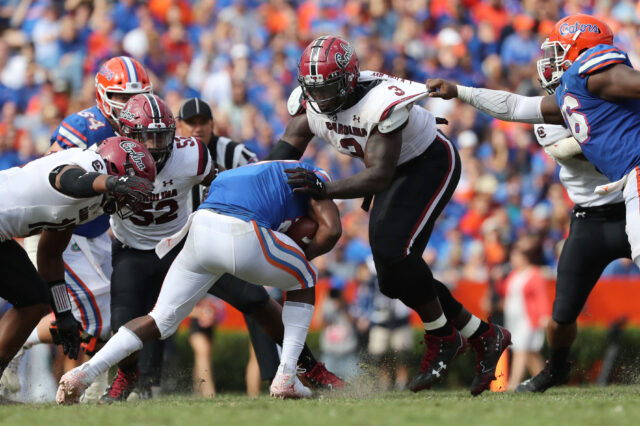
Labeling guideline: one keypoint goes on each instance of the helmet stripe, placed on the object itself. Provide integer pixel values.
(155, 108)
(131, 69)
(315, 52)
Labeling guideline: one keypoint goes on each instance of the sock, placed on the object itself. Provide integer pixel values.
(120, 345)
(307, 360)
(482, 328)
(33, 339)
(439, 327)
(296, 318)
(558, 359)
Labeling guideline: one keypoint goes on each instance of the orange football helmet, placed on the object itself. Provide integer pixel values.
(121, 74)
(568, 38)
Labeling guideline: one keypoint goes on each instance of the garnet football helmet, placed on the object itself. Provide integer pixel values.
(328, 71)
(568, 39)
(121, 74)
(148, 119)
(125, 157)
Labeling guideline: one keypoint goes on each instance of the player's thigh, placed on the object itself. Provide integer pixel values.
(181, 290)
(267, 257)
(632, 203)
(403, 215)
(20, 283)
(90, 292)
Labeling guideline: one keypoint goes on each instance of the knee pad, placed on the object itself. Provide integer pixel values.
(564, 312)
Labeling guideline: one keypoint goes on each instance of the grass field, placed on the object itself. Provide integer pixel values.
(618, 405)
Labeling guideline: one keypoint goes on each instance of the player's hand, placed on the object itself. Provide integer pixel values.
(134, 187)
(439, 88)
(306, 181)
(68, 334)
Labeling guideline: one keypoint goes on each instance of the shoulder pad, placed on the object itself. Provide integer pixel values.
(296, 103)
(600, 57)
(71, 132)
(394, 121)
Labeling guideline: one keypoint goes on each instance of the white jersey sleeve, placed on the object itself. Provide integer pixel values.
(578, 175)
(30, 203)
(387, 106)
(169, 207)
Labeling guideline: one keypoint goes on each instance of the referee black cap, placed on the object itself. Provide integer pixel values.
(194, 107)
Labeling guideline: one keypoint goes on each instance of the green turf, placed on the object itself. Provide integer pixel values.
(619, 405)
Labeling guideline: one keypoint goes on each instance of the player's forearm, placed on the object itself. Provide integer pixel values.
(367, 182)
(323, 241)
(503, 105)
(564, 148)
(78, 183)
(49, 256)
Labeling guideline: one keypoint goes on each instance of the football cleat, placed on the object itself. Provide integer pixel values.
(287, 385)
(122, 385)
(72, 386)
(96, 390)
(441, 351)
(546, 379)
(488, 347)
(10, 378)
(321, 378)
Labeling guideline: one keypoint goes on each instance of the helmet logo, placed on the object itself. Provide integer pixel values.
(567, 28)
(343, 60)
(126, 114)
(106, 72)
(135, 156)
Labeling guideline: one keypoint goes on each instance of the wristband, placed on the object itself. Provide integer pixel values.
(61, 302)
(465, 93)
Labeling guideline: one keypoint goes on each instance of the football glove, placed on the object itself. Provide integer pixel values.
(65, 331)
(306, 181)
(135, 188)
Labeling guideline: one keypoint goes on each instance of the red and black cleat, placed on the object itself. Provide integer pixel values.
(321, 378)
(489, 347)
(121, 387)
(441, 351)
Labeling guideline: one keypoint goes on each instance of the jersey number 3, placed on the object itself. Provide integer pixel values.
(577, 121)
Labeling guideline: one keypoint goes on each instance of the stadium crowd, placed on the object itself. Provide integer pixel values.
(241, 57)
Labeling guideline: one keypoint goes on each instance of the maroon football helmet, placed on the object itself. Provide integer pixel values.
(328, 71)
(125, 157)
(148, 119)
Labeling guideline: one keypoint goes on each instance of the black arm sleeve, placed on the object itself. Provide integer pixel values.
(75, 182)
(284, 151)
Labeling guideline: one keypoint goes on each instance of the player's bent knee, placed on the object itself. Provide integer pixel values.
(166, 321)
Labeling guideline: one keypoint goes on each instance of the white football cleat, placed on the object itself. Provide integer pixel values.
(96, 390)
(10, 378)
(287, 385)
(72, 386)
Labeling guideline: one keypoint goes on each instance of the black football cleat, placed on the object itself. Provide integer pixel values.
(488, 347)
(546, 378)
(441, 351)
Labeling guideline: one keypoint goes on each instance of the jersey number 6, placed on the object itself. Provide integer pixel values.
(577, 121)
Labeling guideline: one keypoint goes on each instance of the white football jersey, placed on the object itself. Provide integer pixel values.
(30, 204)
(387, 106)
(578, 175)
(167, 212)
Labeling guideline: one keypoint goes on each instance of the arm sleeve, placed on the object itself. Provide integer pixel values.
(563, 148)
(503, 105)
(75, 182)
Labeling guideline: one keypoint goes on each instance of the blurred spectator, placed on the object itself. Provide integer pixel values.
(526, 311)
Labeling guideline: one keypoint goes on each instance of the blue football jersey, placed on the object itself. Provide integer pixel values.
(260, 192)
(607, 131)
(85, 129)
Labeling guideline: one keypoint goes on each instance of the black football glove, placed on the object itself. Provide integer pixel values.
(306, 181)
(65, 331)
(135, 188)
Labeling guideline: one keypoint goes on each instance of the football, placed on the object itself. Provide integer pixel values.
(302, 231)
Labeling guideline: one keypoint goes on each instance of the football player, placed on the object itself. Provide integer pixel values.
(52, 195)
(411, 172)
(235, 232)
(138, 273)
(196, 119)
(595, 92)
